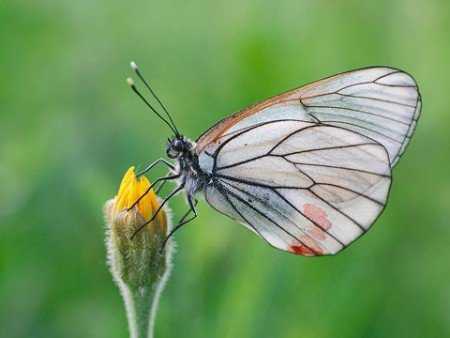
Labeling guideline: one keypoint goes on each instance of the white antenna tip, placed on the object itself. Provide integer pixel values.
(133, 65)
(130, 81)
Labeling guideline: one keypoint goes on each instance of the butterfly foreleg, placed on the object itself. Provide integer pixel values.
(160, 160)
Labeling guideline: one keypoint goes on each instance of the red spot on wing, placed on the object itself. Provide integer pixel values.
(317, 215)
(301, 250)
(307, 247)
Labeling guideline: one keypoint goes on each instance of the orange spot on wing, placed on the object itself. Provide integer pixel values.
(317, 215)
(317, 233)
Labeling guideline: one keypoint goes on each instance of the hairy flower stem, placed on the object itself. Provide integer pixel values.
(140, 316)
(141, 303)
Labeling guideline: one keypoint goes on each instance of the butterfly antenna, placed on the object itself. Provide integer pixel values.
(138, 73)
(133, 86)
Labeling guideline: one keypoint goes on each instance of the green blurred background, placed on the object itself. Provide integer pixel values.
(70, 127)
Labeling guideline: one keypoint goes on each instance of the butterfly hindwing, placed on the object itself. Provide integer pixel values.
(304, 187)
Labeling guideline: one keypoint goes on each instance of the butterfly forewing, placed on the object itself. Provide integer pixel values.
(380, 102)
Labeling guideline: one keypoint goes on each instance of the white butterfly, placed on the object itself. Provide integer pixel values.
(308, 170)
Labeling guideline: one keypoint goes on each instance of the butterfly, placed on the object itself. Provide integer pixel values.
(308, 170)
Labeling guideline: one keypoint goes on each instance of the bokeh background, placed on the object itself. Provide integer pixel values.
(70, 127)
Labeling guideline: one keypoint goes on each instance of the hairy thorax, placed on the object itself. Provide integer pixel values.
(192, 177)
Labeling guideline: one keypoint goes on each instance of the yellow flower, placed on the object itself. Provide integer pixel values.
(130, 190)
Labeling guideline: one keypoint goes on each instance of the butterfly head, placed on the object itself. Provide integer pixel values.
(178, 146)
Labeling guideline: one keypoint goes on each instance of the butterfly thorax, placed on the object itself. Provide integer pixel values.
(192, 177)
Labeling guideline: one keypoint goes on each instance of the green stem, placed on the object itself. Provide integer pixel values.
(141, 305)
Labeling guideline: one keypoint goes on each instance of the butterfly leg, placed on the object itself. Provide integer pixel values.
(184, 220)
(151, 186)
(161, 186)
(160, 160)
(173, 193)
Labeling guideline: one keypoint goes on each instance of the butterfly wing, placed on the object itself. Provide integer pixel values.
(381, 103)
(304, 187)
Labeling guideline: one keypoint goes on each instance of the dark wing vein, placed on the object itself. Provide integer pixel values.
(357, 111)
(354, 191)
(257, 184)
(358, 126)
(363, 121)
(341, 168)
(327, 148)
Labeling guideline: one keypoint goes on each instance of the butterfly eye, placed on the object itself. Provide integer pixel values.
(177, 144)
